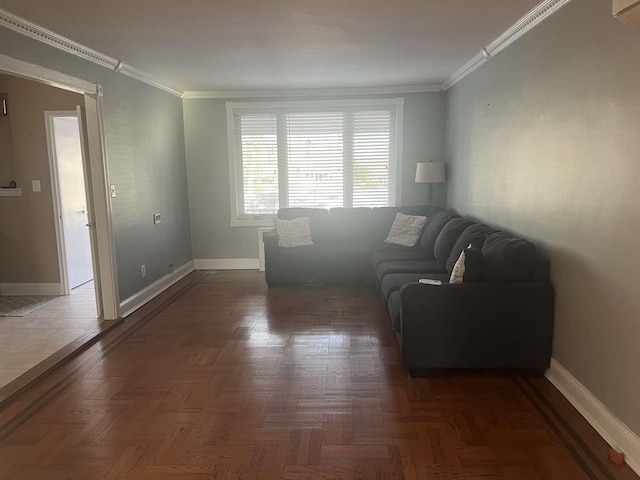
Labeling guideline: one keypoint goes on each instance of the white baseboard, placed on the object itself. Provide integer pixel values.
(137, 300)
(30, 289)
(614, 432)
(227, 263)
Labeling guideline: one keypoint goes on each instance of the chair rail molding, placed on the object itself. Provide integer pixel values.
(29, 29)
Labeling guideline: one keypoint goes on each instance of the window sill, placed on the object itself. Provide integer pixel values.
(238, 222)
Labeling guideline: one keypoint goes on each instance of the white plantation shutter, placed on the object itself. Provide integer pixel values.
(315, 159)
(257, 164)
(373, 159)
(291, 154)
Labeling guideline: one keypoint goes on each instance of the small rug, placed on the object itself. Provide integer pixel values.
(19, 306)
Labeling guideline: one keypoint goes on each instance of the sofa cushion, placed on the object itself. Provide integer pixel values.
(294, 233)
(474, 235)
(291, 213)
(448, 238)
(396, 254)
(405, 230)
(408, 266)
(383, 217)
(469, 266)
(434, 226)
(394, 282)
(341, 263)
(508, 259)
(344, 225)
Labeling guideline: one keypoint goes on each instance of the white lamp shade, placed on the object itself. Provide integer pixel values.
(430, 173)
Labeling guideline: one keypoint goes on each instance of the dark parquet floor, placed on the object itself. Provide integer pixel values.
(231, 380)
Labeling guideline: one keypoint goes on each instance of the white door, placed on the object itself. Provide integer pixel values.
(73, 198)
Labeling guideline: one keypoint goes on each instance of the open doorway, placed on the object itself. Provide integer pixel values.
(69, 190)
(56, 236)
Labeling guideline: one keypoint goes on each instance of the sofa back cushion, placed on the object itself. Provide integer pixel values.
(435, 224)
(474, 235)
(448, 238)
(293, 213)
(508, 259)
(344, 225)
(383, 218)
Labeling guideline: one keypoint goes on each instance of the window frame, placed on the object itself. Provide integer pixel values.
(282, 107)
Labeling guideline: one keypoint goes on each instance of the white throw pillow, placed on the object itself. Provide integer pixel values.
(457, 274)
(406, 230)
(294, 233)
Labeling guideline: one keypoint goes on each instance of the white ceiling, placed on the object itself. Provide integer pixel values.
(260, 44)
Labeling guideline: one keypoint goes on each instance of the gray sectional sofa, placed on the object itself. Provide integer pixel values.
(504, 320)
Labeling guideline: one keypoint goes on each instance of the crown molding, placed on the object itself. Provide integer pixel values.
(144, 77)
(517, 30)
(529, 21)
(314, 92)
(477, 61)
(53, 39)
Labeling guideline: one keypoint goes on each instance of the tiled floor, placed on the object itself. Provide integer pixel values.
(26, 341)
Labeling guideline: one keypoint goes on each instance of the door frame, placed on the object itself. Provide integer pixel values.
(56, 194)
(98, 187)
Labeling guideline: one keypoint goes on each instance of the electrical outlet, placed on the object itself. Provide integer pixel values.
(143, 269)
(112, 188)
(172, 268)
(157, 218)
(35, 186)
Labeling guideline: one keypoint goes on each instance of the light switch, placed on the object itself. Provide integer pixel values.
(35, 185)
(157, 218)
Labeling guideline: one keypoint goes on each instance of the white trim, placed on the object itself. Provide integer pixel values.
(529, 21)
(371, 102)
(261, 233)
(56, 195)
(313, 92)
(399, 151)
(53, 39)
(137, 300)
(227, 264)
(611, 429)
(267, 221)
(477, 61)
(10, 192)
(107, 274)
(21, 289)
(44, 35)
(27, 70)
(144, 77)
(233, 182)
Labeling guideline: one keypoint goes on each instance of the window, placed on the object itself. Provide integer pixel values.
(322, 154)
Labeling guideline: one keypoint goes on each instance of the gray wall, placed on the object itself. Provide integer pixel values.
(545, 140)
(146, 160)
(208, 169)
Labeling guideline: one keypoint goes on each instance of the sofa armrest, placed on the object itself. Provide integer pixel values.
(270, 238)
(477, 325)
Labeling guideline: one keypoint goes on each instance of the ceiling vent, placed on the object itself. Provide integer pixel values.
(628, 12)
